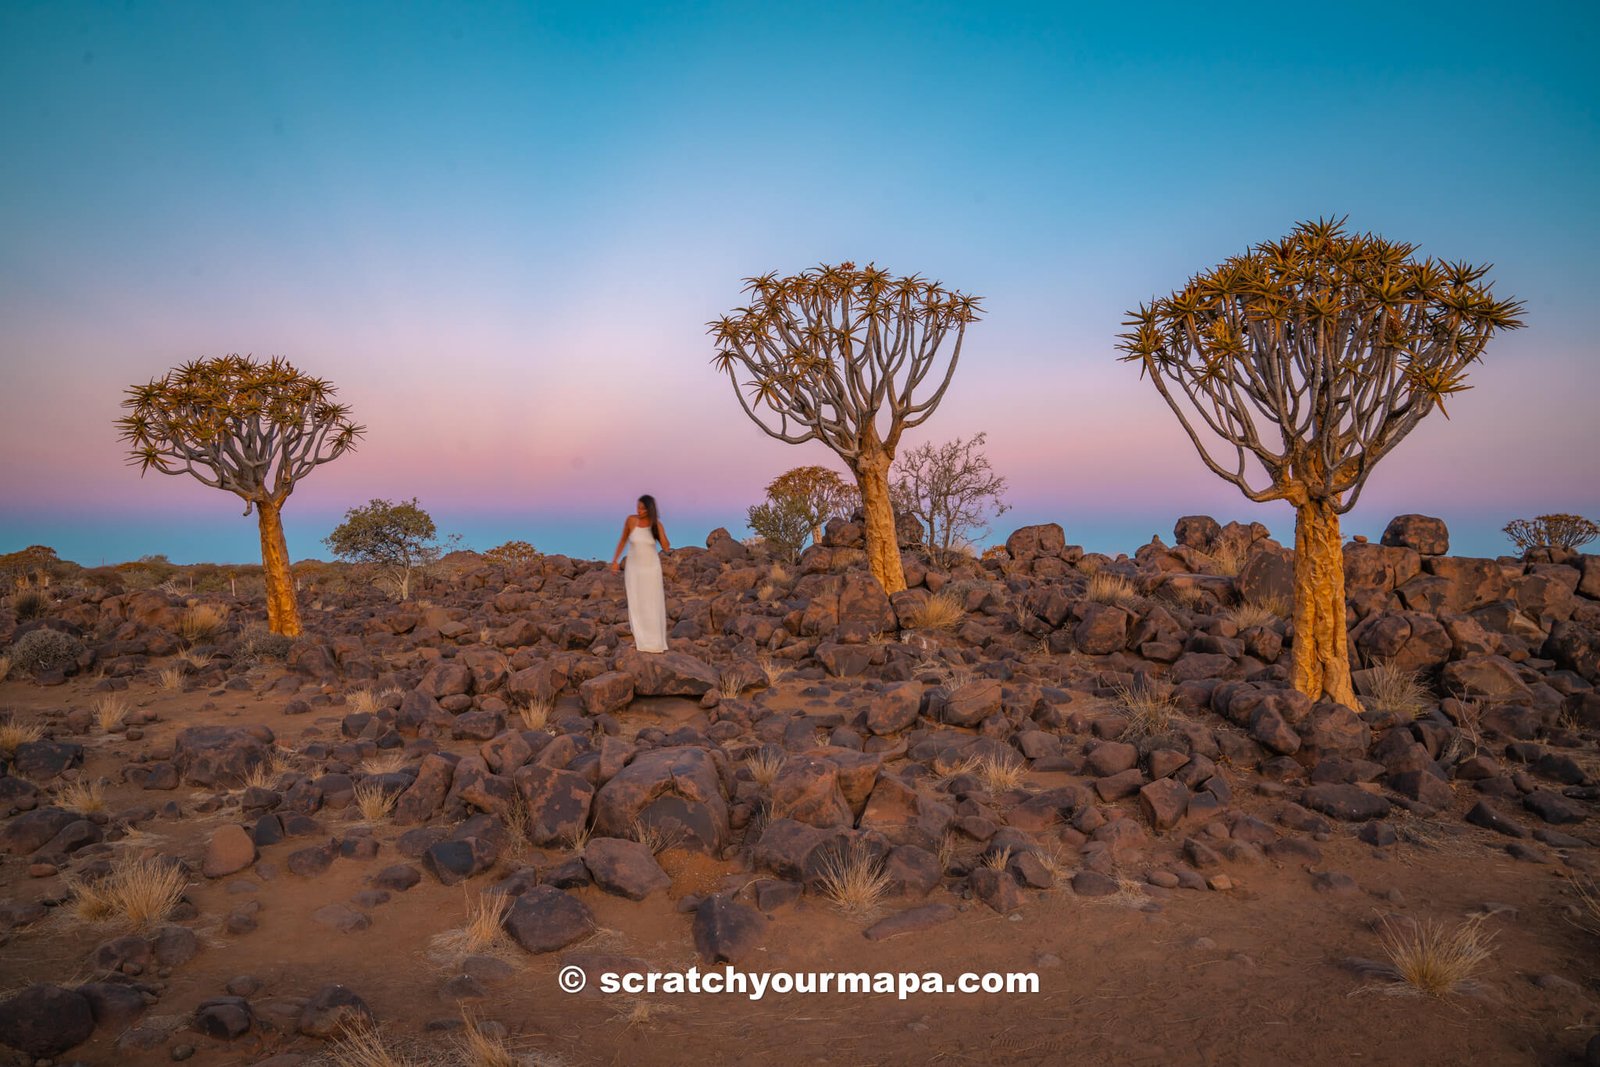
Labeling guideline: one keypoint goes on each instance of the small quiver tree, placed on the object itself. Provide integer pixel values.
(1298, 365)
(253, 429)
(393, 539)
(852, 358)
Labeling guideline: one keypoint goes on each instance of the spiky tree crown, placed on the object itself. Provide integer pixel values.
(826, 351)
(234, 423)
(1314, 355)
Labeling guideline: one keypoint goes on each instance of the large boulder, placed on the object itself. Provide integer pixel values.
(1267, 578)
(807, 790)
(1029, 542)
(676, 789)
(557, 803)
(662, 674)
(220, 757)
(626, 868)
(545, 919)
(1199, 532)
(1576, 649)
(45, 1020)
(1422, 534)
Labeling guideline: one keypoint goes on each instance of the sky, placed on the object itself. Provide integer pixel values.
(500, 230)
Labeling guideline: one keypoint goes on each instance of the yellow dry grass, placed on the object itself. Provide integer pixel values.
(5, 667)
(85, 798)
(373, 801)
(655, 838)
(536, 712)
(370, 701)
(1150, 708)
(481, 932)
(15, 733)
(171, 678)
(1396, 690)
(1248, 616)
(139, 892)
(110, 710)
(201, 622)
(1108, 588)
(937, 611)
(775, 669)
(764, 766)
(854, 880)
(386, 762)
(1433, 958)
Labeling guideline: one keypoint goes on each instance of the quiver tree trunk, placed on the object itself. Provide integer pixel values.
(883, 543)
(283, 614)
(1321, 651)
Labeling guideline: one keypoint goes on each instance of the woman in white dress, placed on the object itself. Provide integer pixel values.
(647, 598)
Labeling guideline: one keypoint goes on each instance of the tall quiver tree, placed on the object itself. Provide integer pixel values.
(841, 355)
(1297, 366)
(253, 429)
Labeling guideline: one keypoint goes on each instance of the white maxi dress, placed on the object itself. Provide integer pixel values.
(647, 598)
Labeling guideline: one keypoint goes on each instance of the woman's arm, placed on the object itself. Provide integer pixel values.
(666, 546)
(627, 528)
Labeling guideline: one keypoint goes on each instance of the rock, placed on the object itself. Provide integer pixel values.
(997, 889)
(1554, 808)
(1199, 532)
(1030, 542)
(1485, 816)
(606, 693)
(423, 799)
(310, 861)
(1093, 884)
(1266, 578)
(333, 1011)
(1423, 534)
(544, 919)
(32, 830)
(626, 868)
(454, 860)
(1111, 757)
(1349, 803)
(174, 945)
(895, 708)
(807, 790)
(229, 851)
(557, 803)
(1576, 648)
(224, 1018)
(1102, 629)
(113, 1005)
(1164, 803)
(1492, 678)
(45, 1020)
(398, 878)
(726, 931)
(341, 917)
(674, 789)
(658, 674)
(906, 922)
(219, 757)
(41, 761)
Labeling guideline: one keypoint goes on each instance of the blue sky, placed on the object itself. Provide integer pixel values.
(501, 228)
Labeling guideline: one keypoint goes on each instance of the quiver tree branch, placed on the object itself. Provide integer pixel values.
(253, 429)
(1298, 365)
(839, 355)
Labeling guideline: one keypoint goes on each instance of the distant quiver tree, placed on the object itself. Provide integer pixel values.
(852, 357)
(1298, 365)
(251, 428)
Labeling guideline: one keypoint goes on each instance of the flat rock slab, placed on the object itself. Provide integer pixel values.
(1348, 803)
(545, 919)
(907, 922)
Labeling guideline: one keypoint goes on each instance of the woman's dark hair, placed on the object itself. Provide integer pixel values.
(654, 516)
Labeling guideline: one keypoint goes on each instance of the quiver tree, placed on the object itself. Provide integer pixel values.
(253, 429)
(1298, 365)
(852, 358)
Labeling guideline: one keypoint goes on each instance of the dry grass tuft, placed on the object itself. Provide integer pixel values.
(14, 734)
(1248, 616)
(369, 701)
(202, 622)
(171, 678)
(1396, 690)
(139, 893)
(483, 931)
(198, 661)
(536, 712)
(996, 861)
(5, 667)
(657, 839)
(1108, 588)
(998, 773)
(110, 710)
(938, 611)
(948, 846)
(373, 802)
(1228, 558)
(366, 1046)
(764, 766)
(578, 840)
(730, 685)
(1150, 708)
(85, 798)
(778, 573)
(854, 880)
(775, 669)
(1433, 959)
(1588, 892)
(386, 762)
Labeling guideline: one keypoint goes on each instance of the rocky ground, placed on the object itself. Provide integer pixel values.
(1085, 767)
